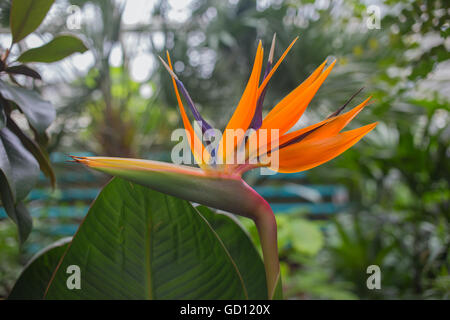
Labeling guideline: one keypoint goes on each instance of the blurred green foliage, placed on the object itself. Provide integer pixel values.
(23, 145)
(10, 265)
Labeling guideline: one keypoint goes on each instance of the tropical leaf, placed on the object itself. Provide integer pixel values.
(26, 16)
(24, 70)
(242, 251)
(6, 169)
(19, 173)
(57, 49)
(40, 155)
(36, 275)
(24, 168)
(40, 113)
(136, 243)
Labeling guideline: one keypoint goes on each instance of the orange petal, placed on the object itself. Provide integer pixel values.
(330, 127)
(309, 154)
(266, 80)
(294, 93)
(287, 113)
(336, 124)
(195, 143)
(281, 105)
(245, 110)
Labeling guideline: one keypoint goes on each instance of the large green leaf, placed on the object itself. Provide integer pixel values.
(57, 49)
(242, 251)
(26, 16)
(136, 243)
(36, 275)
(40, 113)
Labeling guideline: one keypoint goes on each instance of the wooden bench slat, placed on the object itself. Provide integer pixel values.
(326, 208)
(289, 191)
(69, 194)
(54, 212)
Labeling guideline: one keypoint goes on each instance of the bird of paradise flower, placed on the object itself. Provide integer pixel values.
(222, 186)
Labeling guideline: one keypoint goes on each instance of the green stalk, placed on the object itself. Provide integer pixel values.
(267, 230)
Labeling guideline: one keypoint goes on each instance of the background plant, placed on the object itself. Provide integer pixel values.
(23, 154)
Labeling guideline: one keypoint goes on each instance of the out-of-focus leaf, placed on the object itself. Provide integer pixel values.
(136, 243)
(17, 212)
(57, 49)
(24, 167)
(24, 221)
(2, 117)
(300, 234)
(40, 113)
(242, 251)
(36, 275)
(25, 70)
(5, 167)
(306, 236)
(5, 9)
(40, 155)
(19, 173)
(26, 16)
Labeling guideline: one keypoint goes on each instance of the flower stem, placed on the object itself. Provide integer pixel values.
(267, 229)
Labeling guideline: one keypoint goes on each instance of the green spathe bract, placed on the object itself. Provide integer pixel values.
(228, 193)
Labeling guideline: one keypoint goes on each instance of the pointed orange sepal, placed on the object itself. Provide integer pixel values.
(197, 147)
(309, 154)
